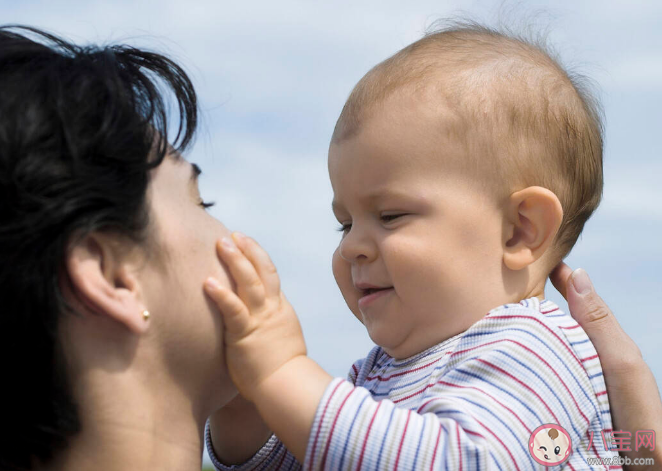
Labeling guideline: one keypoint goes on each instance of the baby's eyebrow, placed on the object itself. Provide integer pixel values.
(375, 195)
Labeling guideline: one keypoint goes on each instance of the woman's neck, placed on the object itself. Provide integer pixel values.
(126, 426)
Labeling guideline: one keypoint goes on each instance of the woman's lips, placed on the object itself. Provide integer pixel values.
(369, 298)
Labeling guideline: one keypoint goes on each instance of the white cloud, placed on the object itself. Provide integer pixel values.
(273, 76)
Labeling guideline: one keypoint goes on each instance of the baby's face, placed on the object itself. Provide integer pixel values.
(417, 225)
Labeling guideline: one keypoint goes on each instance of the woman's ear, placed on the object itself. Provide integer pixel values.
(533, 217)
(102, 279)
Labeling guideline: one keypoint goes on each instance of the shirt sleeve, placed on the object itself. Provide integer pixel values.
(273, 455)
(507, 376)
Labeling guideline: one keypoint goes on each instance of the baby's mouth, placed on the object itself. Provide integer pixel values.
(368, 291)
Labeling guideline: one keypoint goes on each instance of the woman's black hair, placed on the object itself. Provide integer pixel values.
(80, 129)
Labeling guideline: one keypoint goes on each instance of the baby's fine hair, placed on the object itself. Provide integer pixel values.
(523, 120)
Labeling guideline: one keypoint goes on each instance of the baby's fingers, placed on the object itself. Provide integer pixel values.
(249, 285)
(260, 259)
(236, 318)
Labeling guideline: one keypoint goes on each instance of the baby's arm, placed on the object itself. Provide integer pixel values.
(470, 417)
(265, 350)
(237, 432)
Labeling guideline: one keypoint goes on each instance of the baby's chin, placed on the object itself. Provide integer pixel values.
(398, 346)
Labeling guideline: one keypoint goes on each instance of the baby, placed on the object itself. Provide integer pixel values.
(463, 170)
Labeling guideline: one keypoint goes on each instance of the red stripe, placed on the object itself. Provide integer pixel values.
(502, 444)
(541, 359)
(551, 310)
(595, 450)
(571, 327)
(317, 435)
(413, 394)
(491, 397)
(538, 356)
(394, 375)
(559, 377)
(436, 446)
(589, 358)
(402, 440)
(365, 440)
(501, 370)
(601, 393)
(281, 460)
(459, 448)
(280, 445)
(333, 427)
(572, 353)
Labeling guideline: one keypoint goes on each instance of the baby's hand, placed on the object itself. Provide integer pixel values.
(262, 331)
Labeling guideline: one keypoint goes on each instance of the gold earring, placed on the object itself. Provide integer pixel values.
(146, 314)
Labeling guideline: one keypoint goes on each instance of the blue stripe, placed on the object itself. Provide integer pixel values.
(442, 440)
(418, 447)
(495, 461)
(349, 432)
(522, 403)
(595, 375)
(517, 439)
(292, 461)
(422, 378)
(274, 454)
(579, 342)
(381, 447)
(553, 394)
(562, 361)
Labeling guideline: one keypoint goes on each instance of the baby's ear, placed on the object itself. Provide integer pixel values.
(533, 217)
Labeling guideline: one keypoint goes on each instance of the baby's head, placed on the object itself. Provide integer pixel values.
(463, 168)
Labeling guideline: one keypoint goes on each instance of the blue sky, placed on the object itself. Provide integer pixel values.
(272, 79)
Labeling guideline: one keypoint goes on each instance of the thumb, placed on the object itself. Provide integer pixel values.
(595, 317)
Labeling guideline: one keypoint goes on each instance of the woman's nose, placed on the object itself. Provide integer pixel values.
(356, 245)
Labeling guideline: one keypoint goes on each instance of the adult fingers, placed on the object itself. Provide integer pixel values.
(597, 320)
(559, 278)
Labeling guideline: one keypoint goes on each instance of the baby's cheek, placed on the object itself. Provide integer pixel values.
(343, 276)
(341, 271)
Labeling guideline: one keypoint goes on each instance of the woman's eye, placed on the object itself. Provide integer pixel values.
(205, 205)
(344, 228)
(390, 217)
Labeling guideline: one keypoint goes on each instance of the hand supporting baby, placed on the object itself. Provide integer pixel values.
(265, 350)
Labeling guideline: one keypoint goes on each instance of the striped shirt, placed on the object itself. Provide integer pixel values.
(468, 403)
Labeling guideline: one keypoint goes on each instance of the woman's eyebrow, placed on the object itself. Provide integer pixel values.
(195, 172)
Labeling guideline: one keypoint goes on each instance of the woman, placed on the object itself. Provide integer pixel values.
(113, 353)
(112, 350)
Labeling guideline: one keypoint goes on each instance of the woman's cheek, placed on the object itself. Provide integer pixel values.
(217, 268)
